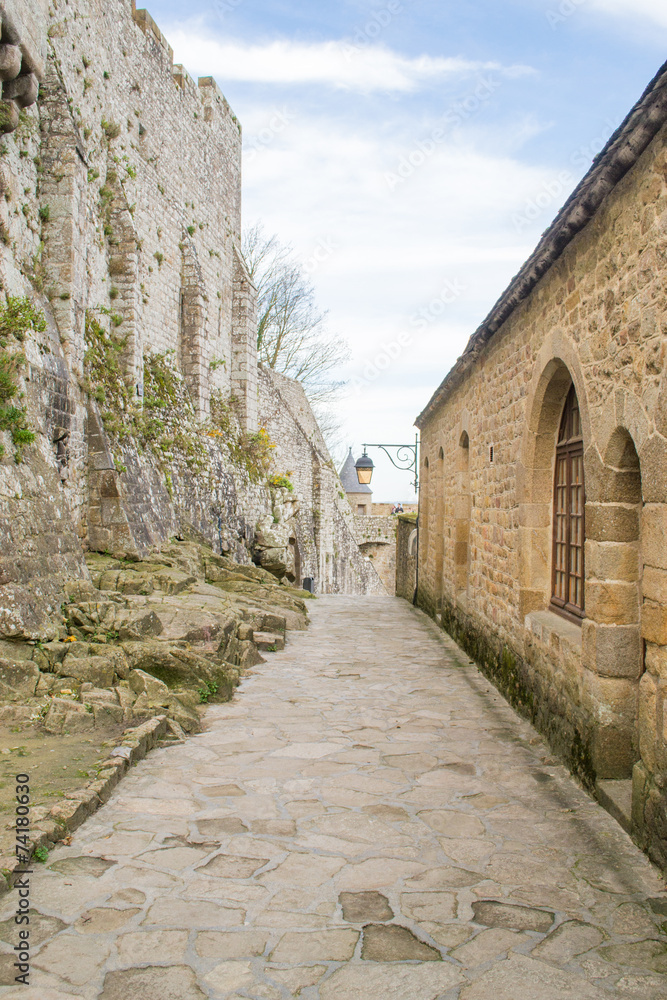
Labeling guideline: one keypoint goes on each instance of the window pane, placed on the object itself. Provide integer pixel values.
(569, 501)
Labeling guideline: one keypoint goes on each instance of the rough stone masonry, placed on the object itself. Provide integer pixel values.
(137, 409)
(513, 503)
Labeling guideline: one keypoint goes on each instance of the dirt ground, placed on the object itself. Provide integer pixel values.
(56, 765)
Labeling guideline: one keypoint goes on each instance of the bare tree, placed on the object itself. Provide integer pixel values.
(333, 432)
(291, 336)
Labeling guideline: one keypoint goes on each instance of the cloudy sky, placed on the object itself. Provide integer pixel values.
(412, 152)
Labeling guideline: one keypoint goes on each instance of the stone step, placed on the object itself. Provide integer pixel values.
(616, 798)
(269, 642)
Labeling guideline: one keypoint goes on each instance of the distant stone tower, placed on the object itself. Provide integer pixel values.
(360, 497)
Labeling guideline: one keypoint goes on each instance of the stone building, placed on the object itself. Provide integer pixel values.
(374, 528)
(543, 510)
(119, 247)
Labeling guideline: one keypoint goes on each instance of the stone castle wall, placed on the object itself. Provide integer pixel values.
(376, 537)
(121, 215)
(406, 557)
(597, 318)
(329, 546)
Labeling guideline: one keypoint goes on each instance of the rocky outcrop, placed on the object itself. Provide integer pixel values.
(157, 637)
(275, 535)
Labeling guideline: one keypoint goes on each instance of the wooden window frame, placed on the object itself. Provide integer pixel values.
(570, 446)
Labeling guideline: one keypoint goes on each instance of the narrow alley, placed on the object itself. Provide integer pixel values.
(366, 820)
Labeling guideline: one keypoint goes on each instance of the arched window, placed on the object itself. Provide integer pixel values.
(568, 517)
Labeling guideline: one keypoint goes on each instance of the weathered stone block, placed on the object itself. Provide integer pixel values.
(612, 560)
(656, 660)
(156, 690)
(530, 601)
(613, 752)
(613, 603)
(654, 470)
(611, 523)
(138, 629)
(654, 623)
(96, 670)
(609, 696)
(647, 721)
(18, 679)
(612, 650)
(654, 584)
(269, 641)
(654, 535)
(611, 485)
(67, 716)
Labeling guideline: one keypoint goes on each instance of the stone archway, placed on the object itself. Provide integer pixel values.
(535, 476)
(613, 650)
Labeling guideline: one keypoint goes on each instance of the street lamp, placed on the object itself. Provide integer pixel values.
(406, 459)
(364, 467)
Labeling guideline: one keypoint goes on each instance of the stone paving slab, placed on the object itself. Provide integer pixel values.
(367, 820)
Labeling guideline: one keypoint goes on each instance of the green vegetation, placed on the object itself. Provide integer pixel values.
(282, 482)
(253, 452)
(207, 692)
(17, 317)
(165, 422)
(41, 854)
(111, 129)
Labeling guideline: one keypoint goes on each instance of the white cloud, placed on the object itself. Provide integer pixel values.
(318, 178)
(651, 10)
(394, 252)
(339, 64)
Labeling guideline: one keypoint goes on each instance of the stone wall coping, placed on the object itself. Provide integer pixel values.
(546, 624)
(620, 154)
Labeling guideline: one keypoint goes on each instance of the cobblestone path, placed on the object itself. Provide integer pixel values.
(368, 820)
